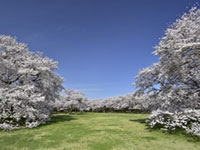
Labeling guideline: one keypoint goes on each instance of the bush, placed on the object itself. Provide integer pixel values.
(188, 120)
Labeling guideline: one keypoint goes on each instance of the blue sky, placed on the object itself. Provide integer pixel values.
(100, 44)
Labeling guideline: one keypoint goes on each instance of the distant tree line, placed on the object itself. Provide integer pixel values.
(75, 101)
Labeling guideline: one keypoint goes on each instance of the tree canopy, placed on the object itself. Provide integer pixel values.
(27, 84)
(175, 79)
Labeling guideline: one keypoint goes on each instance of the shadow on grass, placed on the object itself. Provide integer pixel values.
(60, 118)
(138, 120)
(56, 119)
(180, 132)
(78, 113)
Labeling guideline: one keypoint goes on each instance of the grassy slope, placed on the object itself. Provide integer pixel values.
(95, 131)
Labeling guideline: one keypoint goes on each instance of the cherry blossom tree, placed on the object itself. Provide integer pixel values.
(27, 85)
(175, 79)
(70, 101)
(74, 101)
(125, 103)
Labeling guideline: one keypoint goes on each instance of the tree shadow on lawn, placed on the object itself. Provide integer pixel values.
(61, 118)
(56, 119)
(138, 120)
(189, 137)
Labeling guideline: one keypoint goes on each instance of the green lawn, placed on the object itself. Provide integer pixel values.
(95, 131)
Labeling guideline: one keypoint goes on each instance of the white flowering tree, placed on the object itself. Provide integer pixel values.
(71, 101)
(175, 79)
(74, 101)
(125, 103)
(27, 84)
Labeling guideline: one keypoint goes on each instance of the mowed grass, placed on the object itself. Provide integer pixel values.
(95, 131)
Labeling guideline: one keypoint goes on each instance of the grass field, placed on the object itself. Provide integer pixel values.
(95, 131)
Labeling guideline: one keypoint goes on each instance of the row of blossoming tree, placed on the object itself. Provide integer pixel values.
(30, 91)
(75, 101)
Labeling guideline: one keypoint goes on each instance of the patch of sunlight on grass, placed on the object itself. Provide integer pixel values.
(96, 131)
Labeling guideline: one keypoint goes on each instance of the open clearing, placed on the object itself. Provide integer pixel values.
(95, 131)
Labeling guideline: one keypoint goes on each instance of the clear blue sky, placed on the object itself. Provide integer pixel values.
(100, 44)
